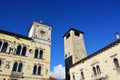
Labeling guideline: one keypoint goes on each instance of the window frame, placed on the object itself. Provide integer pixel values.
(24, 51)
(21, 50)
(4, 47)
(0, 44)
(38, 53)
(98, 69)
(116, 64)
(41, 54)
(68, 35)
(82, 75)
(76, 33)
(0, 63)
(17, 67)
(18, 51)
(37, 70)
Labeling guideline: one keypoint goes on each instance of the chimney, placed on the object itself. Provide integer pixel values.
(117, 35)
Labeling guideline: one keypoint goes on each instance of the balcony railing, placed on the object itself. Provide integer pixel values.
(17, 74)
(99, 76)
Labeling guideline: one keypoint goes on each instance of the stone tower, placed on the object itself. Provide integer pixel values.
(74, 48)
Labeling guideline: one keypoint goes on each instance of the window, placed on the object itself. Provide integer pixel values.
(20, 67)
(34, 69)
(38, 54)
(21, 50)
(94, 71)
(116, 63)
(73, 77)
(98, 69)
(68, 35)
(4, 47)
(17, 67)
(24, 51)
(82, 75)
(4, 79)
(18, 50)
(68, 61)
(0, 63)
(41, 54)
(0, 44)
(37, 70)
(76, 33)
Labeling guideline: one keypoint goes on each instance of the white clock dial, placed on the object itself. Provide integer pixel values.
(42, 33)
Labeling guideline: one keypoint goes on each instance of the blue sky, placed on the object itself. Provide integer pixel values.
(98, 19)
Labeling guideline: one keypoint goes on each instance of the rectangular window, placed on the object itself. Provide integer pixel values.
(68, 61)
(68, 35)
(0, 63)
(82, 75)
(76, 33)
(73, 77)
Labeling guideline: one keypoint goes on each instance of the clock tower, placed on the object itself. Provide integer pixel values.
(40, 33)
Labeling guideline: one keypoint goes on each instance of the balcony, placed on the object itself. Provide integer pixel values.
(17, 74)
(99, 76)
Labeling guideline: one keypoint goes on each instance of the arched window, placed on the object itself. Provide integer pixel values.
(0, 44)
(39, 70)
(4, 47)
(94, 71)
(98, 69)
(82, 75)
(36, 53)
(18, 50)
(116, 63)
(24, 51)
(15, 66)
(34, 69)
(0, 63)
(20, 67)
(41, 54)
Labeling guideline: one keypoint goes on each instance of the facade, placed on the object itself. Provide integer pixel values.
(26, 58)
(104, 64)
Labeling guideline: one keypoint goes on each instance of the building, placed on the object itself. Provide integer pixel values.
(103, 64)
(26, 58)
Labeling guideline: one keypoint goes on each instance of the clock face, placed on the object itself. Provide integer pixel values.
(42, 33)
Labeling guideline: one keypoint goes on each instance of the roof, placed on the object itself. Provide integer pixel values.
(97, 52)
(73, 30)
(14, 34)
(51, 78)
